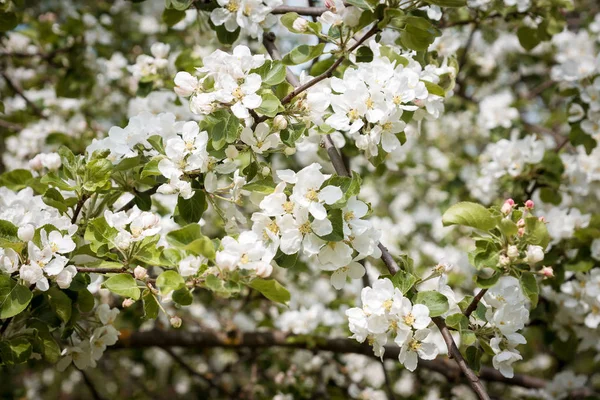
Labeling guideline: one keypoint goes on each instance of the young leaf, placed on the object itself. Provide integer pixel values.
(14, 297)
(169, 281)
(123, 285)
(469, 214)
(435, 301)
(271, 289)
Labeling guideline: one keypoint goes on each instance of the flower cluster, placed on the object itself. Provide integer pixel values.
(247, 252)
(234, 86)
(505, 315)
(385, 311)
(86, 352)
(132, 226)
(44, 233)
(146, 67)
(369, 101)
(253, 16)
(299, 221)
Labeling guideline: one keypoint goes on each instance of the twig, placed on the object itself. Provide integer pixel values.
(329, 72)
(311, 11)
(454, 352)
(269, 42)
(262, 339)
(18, 91)
(78, 208)
(91, 387)
(101, 270)
(473, 306)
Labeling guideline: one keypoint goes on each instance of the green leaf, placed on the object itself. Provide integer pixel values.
(183, 297)
(457, 321)
(270, 105)
(287, 20)
(487, 282)
(123, 285)
(191, 209)
(225, 36)
(337, 222)
(391, 54)
(404, 281)
(528, 37)
(169, 281)
(151, 168)
(191, 239)
(14, 297)
(54, 198)
(448, 3)
(364, 4)
(473, 357)
(8, 21)
(303, 53)
(180, 5)
(581, 266)
(271, 72)
(85, 301)
(364, 54)
(151, 305)
(435, 301)
(292, 134)
(530, 288)
(536, 232)
(16, 179)
(432, 88)
(266, 186)
(15, 351)
(100, 235)
(508, 227)
(171, 16)
(271, 289)
(60, 303)
(48, 346)
(418, 33)
(469, 214)
(8, 236)
(350, 186)
(97, 174)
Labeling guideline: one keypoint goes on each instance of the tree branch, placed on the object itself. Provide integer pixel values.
(18, 91)
(311, 11)
(269, 42)
(257, 340)
(329, 72)
(473, 306)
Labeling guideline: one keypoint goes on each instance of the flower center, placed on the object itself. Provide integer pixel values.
(414, 345)
(312, 195)
(237, 93)
(305, 228)
(353, 114)
(233, 6)
(244, 259)
(397, 100)
(288, 207)
(369, 103)
(387, 126)
(388, 304)
(53, 247)
(409, 319)
(349, 216)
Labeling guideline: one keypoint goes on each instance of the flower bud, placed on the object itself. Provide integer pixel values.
(175, 321)
(264, 270)
(127, 303)
(512, 252)
(529, 204)
(36, 163)
(504, 260)
(542, 219)
(140, 273)
(521, 223)
(51, 161)
(521, 232)
(548, 272)
(289, 151)
(534, 254)
(507, 206)
(300, 24)
(279, 122)
(265, 171)
(26, 232)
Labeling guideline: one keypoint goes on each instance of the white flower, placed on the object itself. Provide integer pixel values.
(334, 255)
(65, 277)
(101, 338)
(309, 194)
(80, 355)
(190, 265)
(300, 24)
(26, 232)
(297, 230)
(33, 274)
(504, 360)
(414, 347)
(106, 315)
(534, 254)
(57, 242)
(260, 140)
(186, 84)
(354, 270)
(9, 260)
(247, 252)
(242, 96)
(411, 316)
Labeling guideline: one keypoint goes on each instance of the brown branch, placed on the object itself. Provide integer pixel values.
(78, 208)
(10, 125)
(267, 339)
(311, 11)
(101, 270)
(473, 306)
(454, 352)
(329, 72)
(18, 91)
(269, 42)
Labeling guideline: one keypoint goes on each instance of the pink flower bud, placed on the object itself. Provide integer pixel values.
(507, 206)
(542, 219)
(548, 272)
(330, 4)
(521, 231)
(521, 223)
(529, 204)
